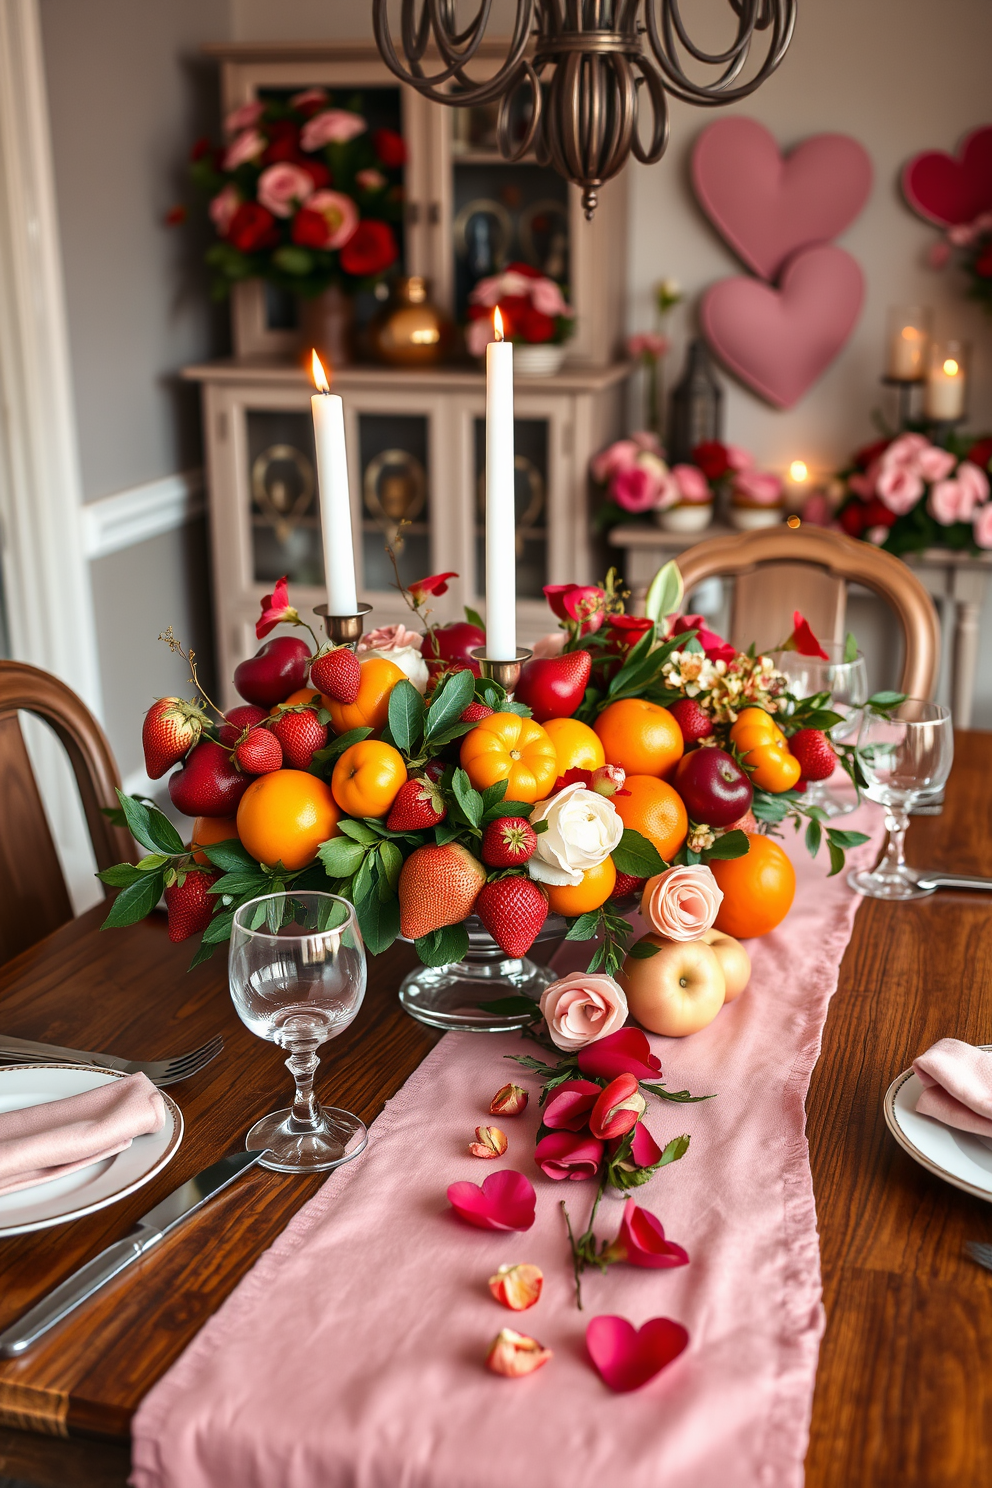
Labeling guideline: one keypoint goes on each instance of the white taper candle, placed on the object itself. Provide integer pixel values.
(334, 497)
(501, 554)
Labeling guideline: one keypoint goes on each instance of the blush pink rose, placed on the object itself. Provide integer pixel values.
(282, 187)
(223, 207)
(245, 117)
(692, 483)
(620, 455)
(546, 296)
(338, 211)
(982, 526)
(332, 126)
(934, 463)
(682, 903)
(737, 458)
(757, 487)
(635, 489)
(550, 645)
(247, 146)
(958, 500)
(899, 488)
(390, 638)
(583, 1007)
(647, 344)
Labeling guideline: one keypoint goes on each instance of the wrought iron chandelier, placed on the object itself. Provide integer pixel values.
(574, 71)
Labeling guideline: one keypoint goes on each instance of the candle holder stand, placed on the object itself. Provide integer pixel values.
(344, 630)
(505, 673)
(905, 386)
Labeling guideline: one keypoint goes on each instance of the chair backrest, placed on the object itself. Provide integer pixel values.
(781, 569)
(34, 899)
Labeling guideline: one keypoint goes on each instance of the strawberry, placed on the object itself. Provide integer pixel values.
(437, 886)
(190, 904)
(627, 884)
(239, 719)
(259, 752)
(301, 734)
(814, 752)
(418, 805)
(475, 712)
(507, 842)
(170, 730)
(337, 673)
(692, 721)
(513, 911)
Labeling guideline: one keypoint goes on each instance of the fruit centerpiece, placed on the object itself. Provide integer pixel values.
(639, 758)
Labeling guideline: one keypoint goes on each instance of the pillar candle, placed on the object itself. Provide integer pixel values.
(334, 496)
(945, 389)
(501, 555)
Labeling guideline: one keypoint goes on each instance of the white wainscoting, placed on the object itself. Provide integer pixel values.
(133, 516)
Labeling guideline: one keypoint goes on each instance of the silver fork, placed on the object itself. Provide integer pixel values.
(980, 1252)
(159, 1071)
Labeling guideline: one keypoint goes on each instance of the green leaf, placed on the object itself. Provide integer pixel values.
(449, 734)
(358, 831)
(441, 947)
(511, 808)
(379, 921)
(814, 834)
(152, 861)
(730, 845)
(845, 839)
(637, 856)
(149, 827)
(474, 618)
(230, 856)
(219, 928)
(665, 592)
(392, 862)
(120, 875)
(850, 647)
(680, 1097)
(585, 927)
(494, 794)
(676, 1148)
(241, 885)
(449, 703)
(136, 901)
(884, 702)
(406, 716)
(337, 747)
(642, 950)
(341, 856)
(468, 799)
(203, 953)
(447, 831)
(367, 878)
(836, 858)
(512, 1006)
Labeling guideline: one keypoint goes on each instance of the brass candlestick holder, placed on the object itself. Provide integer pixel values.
(344, 630)
(506, 673)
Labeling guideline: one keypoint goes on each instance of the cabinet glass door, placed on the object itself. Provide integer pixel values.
(530, 441)
(396, 502)
(285, 520)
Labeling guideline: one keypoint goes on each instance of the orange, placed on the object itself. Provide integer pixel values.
(285, 816)
(517, 750)
(371, 707)
(210, 829)
(301, 695)
(758, 888)
(656, 811)
(596, 887)
(577, 746)
(367, 778)
(641, 737)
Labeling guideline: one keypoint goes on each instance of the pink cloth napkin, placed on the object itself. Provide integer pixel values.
(352, 1353)
(39, 1143)
(957, 1085)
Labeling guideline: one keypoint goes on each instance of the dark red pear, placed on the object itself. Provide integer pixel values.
(277, 669)
(554, 686)
(208, 783)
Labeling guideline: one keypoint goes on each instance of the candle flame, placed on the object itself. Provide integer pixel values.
(320, 381)
(951, 367)
(498, 324)
(798, 471)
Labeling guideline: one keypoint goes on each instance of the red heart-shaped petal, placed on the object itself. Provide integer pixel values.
(627, 1357)
(504, 1201)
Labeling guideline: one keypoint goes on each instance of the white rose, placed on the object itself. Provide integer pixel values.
(409, 661)
(583, 829)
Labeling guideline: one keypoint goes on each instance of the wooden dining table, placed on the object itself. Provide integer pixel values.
(901, 1395)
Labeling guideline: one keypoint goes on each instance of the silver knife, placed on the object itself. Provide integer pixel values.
(150, 1229)
(936, 880)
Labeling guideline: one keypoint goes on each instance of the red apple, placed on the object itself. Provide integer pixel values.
(238, 719)
(277, 669)
(553, 686)
(208, 783)
(713, 786)
(453, 643)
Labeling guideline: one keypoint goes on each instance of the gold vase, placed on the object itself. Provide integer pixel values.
(409, 331)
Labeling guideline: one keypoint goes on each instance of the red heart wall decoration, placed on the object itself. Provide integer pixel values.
(949, 189)
(780, 340)
(767, 206)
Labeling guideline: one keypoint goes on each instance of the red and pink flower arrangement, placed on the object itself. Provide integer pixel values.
(534, 309)
(637, 478)
(302, 193)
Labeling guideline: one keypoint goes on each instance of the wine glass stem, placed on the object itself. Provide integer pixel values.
(306, 1109)
(896, 825)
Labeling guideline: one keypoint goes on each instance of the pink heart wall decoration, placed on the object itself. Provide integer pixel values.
(779, 341)
(949, 189)
(767, 206)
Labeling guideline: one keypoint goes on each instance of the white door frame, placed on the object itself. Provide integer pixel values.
(45, 570)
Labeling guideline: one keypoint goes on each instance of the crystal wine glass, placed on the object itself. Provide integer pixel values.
(905, 756)
(847, 683)
(297, 975)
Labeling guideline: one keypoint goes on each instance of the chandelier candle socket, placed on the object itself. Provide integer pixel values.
(334, 495)
(501, 554)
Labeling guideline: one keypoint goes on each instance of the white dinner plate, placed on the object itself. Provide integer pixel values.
(90, 1188)
(958, 1157)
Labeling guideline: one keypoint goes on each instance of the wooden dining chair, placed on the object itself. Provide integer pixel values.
(781, 569)
(34, 899)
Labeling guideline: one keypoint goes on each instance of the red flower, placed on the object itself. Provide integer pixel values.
(202, 147)
(627, 1051)
(624, 631)
(983, 265)
(641, 1242)
(569, 1106)
(252, 227)
(276, 610)
(853, 518)
(863, 457)
(715, 647)
(371, 248)
(711, 457)
(390, 147)
(533, 326)
(980, 454)
(618, 1109)
(435, 584)
(577, 602)
(877, 514)
(644, 1150)
(565, 1154)
(309, 229)
(802, 639)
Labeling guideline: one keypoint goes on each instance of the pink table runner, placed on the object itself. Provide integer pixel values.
(351, 1356)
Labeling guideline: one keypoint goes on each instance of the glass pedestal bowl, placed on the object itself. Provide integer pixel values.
(459, 996)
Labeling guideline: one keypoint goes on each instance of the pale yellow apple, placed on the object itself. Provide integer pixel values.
(676, 991)
(734, 961)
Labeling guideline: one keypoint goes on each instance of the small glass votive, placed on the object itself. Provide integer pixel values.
(908, 339)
